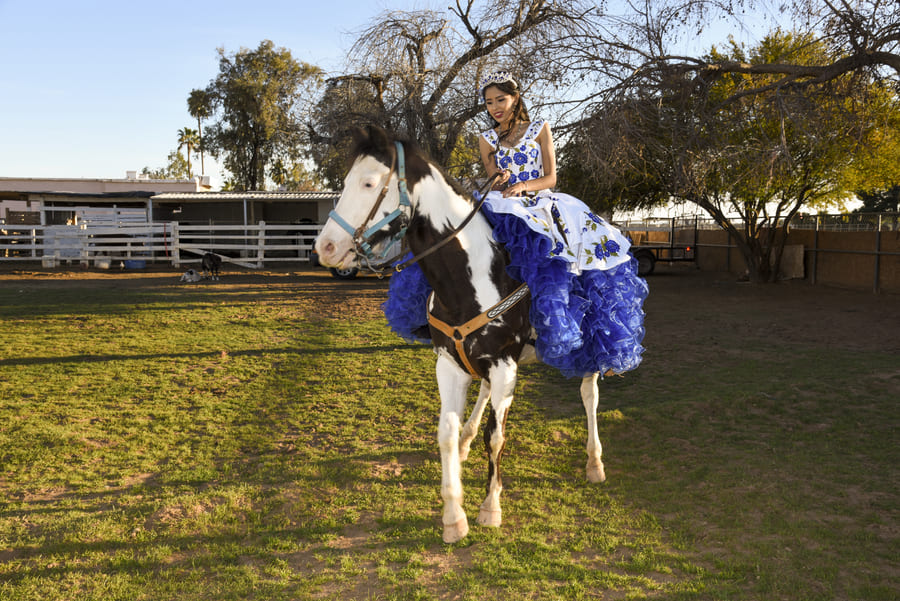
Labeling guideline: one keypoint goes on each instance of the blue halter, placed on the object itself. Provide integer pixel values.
(362, 237)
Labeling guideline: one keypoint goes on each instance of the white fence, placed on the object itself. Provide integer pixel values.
(251, 246)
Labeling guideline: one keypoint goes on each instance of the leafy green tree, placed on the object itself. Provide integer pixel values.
(254, 104)
(294, 177)
(607, 165)
(880, 201)
(748, 154)
(345, 102)
(787, 148)
(878, 181)
(176, 168)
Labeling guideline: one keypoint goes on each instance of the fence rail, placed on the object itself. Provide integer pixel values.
(839, 222)
(170, 242)
(837, 249)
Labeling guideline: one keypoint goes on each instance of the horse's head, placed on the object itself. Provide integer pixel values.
(373, 209)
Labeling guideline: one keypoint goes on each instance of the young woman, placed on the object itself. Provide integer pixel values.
(522, 151)
(586, 295)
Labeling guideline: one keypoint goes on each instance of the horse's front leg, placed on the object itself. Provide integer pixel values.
(590, 396)
(453, 385)
(503, 386)
(471, 428)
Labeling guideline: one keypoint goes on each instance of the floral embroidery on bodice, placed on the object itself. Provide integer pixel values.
(523, 160)
(576, 234)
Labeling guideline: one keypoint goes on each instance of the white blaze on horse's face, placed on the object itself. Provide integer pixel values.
(362, 186)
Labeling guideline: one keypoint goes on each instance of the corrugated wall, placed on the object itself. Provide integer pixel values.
(845, 259)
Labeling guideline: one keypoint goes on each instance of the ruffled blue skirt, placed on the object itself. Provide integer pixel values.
(588, 322)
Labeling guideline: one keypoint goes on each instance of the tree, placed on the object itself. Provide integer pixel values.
(345, 102)
(616, 53)
(416, 70)
(254, 102)
(177, 168)
(605, 164)
(749, 160)
(199, 105)
(188, 138)
(295, 177)
(859, 37)
(416, 73)
(880, 201)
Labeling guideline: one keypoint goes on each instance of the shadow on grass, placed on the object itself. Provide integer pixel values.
(356, 350)
(161, 525)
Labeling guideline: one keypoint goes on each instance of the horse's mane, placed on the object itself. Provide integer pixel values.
(378, 143)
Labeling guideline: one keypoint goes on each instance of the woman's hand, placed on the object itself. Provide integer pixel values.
(500, 182)
(517, 189)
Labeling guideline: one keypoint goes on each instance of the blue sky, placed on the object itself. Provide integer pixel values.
(96, 88)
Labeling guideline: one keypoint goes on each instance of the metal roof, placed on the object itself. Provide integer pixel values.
(110, 196)
(237, 196)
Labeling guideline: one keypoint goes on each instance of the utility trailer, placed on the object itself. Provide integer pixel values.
(670, 239)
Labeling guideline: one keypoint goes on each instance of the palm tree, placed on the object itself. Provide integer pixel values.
(199, 107)
(188, 137)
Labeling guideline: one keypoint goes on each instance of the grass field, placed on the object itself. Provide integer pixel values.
(267, 437)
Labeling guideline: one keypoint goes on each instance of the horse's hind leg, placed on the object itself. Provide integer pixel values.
(503, 385)
(471, 428)
(590, 396)
(453, 385)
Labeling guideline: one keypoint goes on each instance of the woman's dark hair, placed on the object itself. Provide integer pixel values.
(520, 111)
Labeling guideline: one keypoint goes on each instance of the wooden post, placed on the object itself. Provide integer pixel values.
(261, 245)
(176, 246)
(877, 254)
(728, 252)
(83, 251)
(815, 253)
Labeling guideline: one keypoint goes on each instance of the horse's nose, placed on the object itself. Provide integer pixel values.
(326, 249)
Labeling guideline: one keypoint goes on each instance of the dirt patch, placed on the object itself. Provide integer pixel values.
(682, 301)
(328, 297)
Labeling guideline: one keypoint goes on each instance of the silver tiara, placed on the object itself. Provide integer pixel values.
(496, 77)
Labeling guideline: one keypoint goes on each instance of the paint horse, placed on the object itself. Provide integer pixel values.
(392, 191)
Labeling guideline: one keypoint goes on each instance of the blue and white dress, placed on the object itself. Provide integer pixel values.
(587, 299)
(579, 237)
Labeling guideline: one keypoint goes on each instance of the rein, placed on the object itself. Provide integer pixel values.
(362, 235)
(482, 193)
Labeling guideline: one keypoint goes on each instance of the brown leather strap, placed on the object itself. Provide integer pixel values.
(458, 338)
(358, 235)
(458, 334)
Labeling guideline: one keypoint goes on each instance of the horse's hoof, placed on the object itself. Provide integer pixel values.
(489, 517)
(453, 533)
(595, 472)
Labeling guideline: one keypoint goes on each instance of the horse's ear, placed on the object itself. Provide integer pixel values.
(378, 137)
(359, 136)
